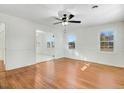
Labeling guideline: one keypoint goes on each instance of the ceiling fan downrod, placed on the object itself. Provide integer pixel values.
(65, 29)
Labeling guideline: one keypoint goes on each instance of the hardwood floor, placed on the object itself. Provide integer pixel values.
(2, 74)
(64, 73)
(1, 65)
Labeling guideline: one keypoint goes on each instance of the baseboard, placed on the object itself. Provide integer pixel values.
(93, 62)
(60, 58)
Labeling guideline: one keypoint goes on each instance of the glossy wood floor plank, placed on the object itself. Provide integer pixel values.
(65, 73)
(1, 65)
(2, 75)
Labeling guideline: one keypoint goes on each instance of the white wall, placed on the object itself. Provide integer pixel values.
(2, 41)
(87, 44)
(20, 41)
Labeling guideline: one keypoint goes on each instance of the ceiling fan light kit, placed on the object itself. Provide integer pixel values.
(64, 23)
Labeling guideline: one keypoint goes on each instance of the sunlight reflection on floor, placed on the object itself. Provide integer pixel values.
(86, 65)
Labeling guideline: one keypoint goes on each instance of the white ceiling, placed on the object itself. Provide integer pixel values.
(43, 13)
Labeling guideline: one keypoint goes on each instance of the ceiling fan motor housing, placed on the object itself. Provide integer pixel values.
(62, 13)
(64, 18)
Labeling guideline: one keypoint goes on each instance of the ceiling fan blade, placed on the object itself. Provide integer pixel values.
(57, 23)
(74, 21)
(70, 16)
(58, 19)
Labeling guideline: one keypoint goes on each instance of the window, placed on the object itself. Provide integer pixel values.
(71, 41)
(48, 44)
(50, 41)
(106, 41)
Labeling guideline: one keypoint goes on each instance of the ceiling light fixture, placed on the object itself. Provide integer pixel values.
(64, 23)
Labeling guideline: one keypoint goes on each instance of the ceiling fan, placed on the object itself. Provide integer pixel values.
(65, 19)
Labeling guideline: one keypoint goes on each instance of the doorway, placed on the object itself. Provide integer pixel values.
(45, 46)
(2, 47)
